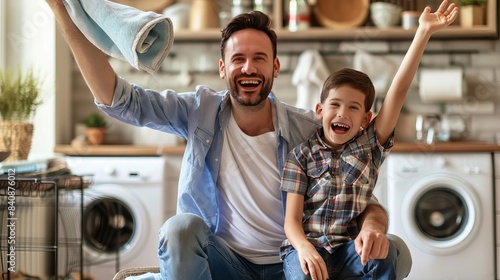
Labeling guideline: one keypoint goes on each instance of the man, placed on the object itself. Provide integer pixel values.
(230, 209)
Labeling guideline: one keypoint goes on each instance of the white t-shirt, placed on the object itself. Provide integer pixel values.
(251, 220)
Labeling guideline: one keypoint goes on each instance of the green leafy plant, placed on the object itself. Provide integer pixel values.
(472, 2)
(95, 120)
(19, 95)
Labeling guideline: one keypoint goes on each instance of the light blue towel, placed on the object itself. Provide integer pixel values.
(146, 276)
(141, 38)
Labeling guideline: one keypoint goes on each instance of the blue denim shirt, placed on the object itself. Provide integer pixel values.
(201, 117)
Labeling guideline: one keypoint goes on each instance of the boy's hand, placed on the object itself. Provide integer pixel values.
(312, 263)
(443, 17)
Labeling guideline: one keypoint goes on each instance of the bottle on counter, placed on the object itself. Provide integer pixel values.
(299, 15)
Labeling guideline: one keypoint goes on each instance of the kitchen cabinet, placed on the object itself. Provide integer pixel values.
(362, 33)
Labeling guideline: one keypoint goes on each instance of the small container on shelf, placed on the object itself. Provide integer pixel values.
(265, 6)
(299, 15)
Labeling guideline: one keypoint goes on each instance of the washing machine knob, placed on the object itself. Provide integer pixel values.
(472, 169)
(441, 162)
(467, 169)
(109, 170)
(475, 170)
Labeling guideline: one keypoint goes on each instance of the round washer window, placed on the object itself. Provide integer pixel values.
(109, 224)
(441, 214)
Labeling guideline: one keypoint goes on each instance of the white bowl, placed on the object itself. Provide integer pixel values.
(385, 15)
(179, 15)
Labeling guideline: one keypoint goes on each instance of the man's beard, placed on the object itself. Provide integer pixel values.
(242, 99)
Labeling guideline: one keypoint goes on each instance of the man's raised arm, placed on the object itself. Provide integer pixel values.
(93, 63)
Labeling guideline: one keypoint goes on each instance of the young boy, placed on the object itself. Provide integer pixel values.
(329, 179)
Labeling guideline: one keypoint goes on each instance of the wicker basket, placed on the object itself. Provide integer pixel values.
(16, 138)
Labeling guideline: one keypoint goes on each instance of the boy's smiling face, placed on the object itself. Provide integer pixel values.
(343, 114)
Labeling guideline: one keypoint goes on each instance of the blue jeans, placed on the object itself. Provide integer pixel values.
(189, 250)
(345, 263)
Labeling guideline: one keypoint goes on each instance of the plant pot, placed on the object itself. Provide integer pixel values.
(472, 15)
(95, 135)
(16, 138)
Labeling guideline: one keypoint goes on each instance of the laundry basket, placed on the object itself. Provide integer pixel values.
(135, 271)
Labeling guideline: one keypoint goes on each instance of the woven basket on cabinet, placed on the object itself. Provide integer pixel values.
(16, 138)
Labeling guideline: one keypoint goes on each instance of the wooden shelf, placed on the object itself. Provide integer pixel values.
(487, 31)
(364, 33)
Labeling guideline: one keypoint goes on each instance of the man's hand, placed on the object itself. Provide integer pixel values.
(371, 242)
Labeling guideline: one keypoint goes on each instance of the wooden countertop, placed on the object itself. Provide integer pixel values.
(118, 150)
(455, 147)
(399, 147)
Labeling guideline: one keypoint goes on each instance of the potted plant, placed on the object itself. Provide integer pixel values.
(95, 128)
(472, 12)
(20, 96)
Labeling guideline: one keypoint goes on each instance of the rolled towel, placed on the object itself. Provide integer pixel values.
(141, 38)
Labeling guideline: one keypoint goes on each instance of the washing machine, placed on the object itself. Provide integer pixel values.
(442, 205)
(123, 210)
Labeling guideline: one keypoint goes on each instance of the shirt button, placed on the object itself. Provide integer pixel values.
(216, 159)
(208, 141)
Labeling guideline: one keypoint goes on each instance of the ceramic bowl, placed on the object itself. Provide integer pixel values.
(341, 13)
(385, 15)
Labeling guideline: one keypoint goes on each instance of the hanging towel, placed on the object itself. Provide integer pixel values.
(141, 38)
(146, 276)
(309, 76)
(380, 70)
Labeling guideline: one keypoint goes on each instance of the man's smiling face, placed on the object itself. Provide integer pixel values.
(249, 67)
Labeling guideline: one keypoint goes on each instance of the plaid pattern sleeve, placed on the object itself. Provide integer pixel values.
(294, 177)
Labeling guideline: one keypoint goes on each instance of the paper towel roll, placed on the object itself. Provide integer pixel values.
(440, 85)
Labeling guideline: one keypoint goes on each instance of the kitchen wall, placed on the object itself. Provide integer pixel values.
(32, 40)
(190, 64)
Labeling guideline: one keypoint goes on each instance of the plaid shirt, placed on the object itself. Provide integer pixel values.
(336, 184)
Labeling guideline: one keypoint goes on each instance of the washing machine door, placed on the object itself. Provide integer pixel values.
(113, 223)
(441, 214)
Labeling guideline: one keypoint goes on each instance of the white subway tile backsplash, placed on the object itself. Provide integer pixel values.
(436, 60)
(401, 46)
(490, 59)
(298, 47)
(463, 60)
(330, 47)
(463, 45)
(480, 75)
(480, 59)
(368, 46)
(496, 73)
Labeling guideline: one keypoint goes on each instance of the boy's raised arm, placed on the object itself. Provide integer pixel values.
(429, 23)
